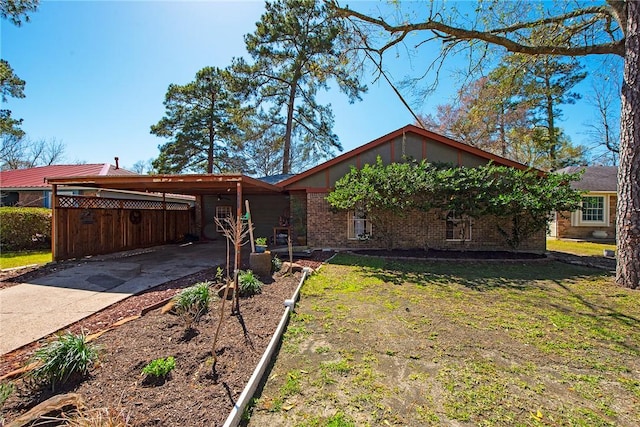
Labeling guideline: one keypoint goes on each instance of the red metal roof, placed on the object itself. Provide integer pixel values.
(35, 177)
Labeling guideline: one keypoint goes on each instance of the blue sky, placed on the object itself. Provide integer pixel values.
(97, 73)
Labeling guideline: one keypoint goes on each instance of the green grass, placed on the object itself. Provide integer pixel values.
(579, 247)
(20, 259)
(385, 342)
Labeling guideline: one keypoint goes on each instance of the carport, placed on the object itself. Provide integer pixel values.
(83, 225)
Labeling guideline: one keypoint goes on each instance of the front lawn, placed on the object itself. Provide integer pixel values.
(382, 342)
(20, 259)
(581, 248)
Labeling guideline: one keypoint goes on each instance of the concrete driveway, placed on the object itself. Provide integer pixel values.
(31, 311)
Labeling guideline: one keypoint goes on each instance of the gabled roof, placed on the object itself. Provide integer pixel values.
(34, 178)
(398, 133)
(275, 179)
(595, 178)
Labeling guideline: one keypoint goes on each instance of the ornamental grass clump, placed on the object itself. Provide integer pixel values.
(100, 417)
(192, 303)
(69, 357)
(249, 284)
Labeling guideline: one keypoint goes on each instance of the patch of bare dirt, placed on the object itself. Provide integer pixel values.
(197, 392)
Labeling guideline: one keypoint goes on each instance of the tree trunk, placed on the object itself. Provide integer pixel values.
(210, 150)
(503, 132)
(212, 134)
(286, 154)
(553, 143)
(628, 209)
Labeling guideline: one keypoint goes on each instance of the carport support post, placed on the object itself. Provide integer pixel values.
(238, 242)
(164, 218)
(54, 218)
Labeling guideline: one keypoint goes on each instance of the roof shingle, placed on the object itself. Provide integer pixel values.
(595, 178)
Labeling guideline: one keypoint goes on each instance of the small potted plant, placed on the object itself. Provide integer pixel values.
(261, 244)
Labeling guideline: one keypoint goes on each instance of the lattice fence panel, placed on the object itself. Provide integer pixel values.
(83, 202)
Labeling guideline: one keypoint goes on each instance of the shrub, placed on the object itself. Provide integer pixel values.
(276, 263)
(219, 278)
(159, 368)
(248, 283)
(69, 355)
(25, 228)
(192, 303)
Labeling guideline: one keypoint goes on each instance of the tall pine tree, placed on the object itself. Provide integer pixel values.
(200, 122)
(296, 51)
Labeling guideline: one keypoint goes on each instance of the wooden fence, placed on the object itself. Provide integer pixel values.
(95, 225)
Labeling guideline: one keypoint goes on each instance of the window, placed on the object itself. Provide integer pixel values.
(593, 209)
(9, 198)
(222, 212)
(358, 225)
(458, 227)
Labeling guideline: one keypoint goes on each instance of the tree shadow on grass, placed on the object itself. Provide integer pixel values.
(552, 278)
(480, 276)
(605, 316)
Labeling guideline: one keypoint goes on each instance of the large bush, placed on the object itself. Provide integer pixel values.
(25, 228)
(524, 197)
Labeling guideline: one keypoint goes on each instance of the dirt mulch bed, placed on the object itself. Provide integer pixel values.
(196, 393)
(450, 254)
(601, 263)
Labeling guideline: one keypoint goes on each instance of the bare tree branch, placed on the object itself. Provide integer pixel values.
(448, 34)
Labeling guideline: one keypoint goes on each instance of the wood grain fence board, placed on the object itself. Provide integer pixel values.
(85, 228)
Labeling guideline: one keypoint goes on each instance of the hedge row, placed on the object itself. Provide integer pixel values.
(25, 228)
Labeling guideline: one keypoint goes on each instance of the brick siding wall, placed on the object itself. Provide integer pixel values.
(32, 199)
(565, 230)
(414, 230)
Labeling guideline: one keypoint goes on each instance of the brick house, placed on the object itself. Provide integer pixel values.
(597, 218)
(324, 227)
(291, 205)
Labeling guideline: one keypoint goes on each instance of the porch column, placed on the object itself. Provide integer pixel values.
(164, 218)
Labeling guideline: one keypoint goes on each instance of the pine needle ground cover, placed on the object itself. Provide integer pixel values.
(383, 342)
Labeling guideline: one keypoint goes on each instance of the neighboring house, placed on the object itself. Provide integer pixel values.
(285, 206)
(597, 218)
(28, 187)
